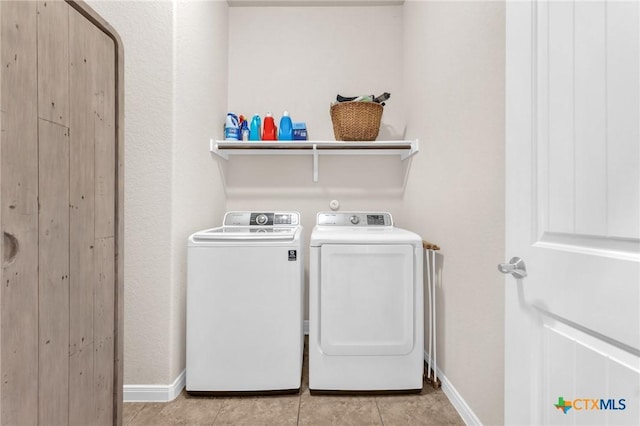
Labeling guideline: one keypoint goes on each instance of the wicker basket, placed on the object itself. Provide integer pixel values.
(356, 121)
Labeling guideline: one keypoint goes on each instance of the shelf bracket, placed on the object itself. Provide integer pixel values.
(413, 151)
(213, 147)
(315, 163)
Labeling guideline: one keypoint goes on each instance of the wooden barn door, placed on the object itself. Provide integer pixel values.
(60, 213)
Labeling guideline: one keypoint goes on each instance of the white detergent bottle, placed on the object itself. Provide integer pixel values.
(231, 128)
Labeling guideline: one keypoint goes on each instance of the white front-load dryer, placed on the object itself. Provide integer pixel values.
(365, 305)
(245, 294)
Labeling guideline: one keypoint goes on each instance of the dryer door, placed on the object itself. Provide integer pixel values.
(366, 299)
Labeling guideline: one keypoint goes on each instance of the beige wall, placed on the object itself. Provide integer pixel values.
(175, 88)
(198, 199)
(442, 62)
(147, 205)
(299, 58)
(454, 68)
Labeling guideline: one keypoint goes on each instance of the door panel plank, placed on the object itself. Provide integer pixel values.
(53, 61)
(623, 110)
(592, 385)
(83, 63)
(19, 310)
(54, 274)
(590, 119)
(81, 405)
(105, 150)
(559, 374)
(105, 203)
(560, 115)
(104, 331)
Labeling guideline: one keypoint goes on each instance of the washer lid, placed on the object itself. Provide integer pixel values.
(363, 235)
(245, 233)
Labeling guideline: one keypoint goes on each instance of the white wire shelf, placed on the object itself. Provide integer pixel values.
(226, 149)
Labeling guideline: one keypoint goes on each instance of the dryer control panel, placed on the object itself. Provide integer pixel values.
(287, 219)
(373, 219)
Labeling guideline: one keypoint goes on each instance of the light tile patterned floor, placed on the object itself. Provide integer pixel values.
(431, 407)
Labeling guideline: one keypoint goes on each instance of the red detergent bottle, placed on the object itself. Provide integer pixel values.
(269, 130)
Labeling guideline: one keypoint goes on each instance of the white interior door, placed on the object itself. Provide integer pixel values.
(573, 188)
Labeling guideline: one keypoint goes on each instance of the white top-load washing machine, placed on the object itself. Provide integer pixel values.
(245, 290)
(365, 305)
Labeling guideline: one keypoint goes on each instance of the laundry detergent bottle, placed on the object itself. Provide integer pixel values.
(255, 131)
(286, 128)
(231, 128)
(269, 131)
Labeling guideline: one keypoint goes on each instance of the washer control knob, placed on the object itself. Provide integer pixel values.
(354, 219)
(262, 219)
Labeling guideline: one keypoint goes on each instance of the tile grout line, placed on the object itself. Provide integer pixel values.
(379, 412)
(136, 415)
(299, 403)
(224, 401)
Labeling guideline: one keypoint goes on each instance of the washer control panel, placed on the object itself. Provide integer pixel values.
(373, 219)
(262, 219)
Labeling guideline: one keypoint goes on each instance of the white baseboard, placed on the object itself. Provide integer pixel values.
(165, 393)
(461, 406)
(155, 393)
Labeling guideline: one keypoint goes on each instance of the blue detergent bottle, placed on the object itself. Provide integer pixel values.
(285, 132)
(255, 128)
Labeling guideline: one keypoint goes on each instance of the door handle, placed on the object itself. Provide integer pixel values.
(9, 249)
(515, 267)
